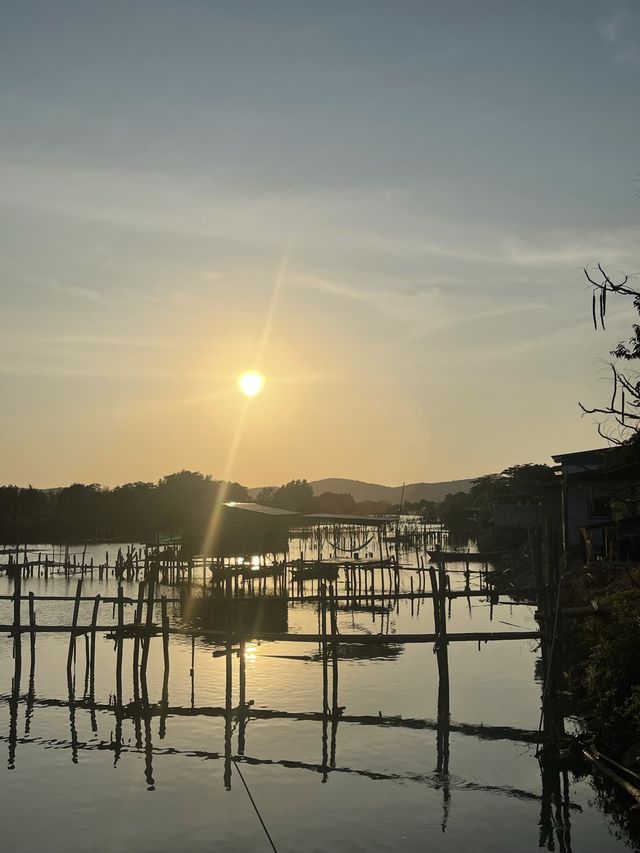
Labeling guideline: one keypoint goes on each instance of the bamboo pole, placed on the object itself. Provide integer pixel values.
(137, 620)
(32, 622)
(72, 638)
(610, 774)
(149, 628)
(119, 647)
(165, 636)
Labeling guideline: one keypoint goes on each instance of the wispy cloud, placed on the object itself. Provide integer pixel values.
(96, 340)
(422, 311)
(615, 30)
(87, 294)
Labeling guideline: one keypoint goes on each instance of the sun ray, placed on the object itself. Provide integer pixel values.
(214, 522)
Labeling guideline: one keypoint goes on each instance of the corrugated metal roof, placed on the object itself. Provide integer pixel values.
(258, 508)
(583, 456)
(337, 518)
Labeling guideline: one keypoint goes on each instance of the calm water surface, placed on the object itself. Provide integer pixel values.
(65, 787)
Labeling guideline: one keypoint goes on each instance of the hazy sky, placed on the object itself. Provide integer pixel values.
(385, 204)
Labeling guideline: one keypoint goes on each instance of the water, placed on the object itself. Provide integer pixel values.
(167, 787)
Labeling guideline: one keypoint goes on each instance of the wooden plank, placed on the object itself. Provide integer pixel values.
(344, 639)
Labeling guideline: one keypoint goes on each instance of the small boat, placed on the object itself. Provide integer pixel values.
(465, 556)
(315, 571)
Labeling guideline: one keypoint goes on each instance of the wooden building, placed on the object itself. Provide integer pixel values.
(238, 530)
(600, 503)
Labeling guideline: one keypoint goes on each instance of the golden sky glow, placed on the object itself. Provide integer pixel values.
(406, 275)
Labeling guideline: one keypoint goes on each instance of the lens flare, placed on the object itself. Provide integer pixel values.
(251, 383)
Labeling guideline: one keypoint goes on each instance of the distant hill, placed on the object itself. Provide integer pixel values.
(413, 492)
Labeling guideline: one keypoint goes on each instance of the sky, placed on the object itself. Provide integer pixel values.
(385, 207)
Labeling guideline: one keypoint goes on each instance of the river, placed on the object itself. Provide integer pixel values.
(379, 779)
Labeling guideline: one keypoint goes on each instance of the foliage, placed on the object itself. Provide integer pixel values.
(265, 495)
(456, 512)
(473, 511)
(428, 510)
(621, 416)
(296, 495)
(134, 510)
(605, 663)
(342, 503)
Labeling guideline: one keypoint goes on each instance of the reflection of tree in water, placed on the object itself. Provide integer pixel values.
(623, 824)
(263, 614)
(351, 651)
(369, 651)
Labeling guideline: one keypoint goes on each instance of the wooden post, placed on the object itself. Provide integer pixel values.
(94, 621)
(146, 642)
(119, 646)
(32, 623)
(74, 623)
(165, 635)
(17, 634)
(192, 672)
(440, 620)
(228, 723)
(322, 597)
(137, 621)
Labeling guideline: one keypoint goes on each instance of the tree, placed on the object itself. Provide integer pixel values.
(457, 511)
(296, 495)
(341, 503)
(621, 417)
(265, 496)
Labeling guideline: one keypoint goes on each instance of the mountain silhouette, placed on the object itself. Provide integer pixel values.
(361, 491)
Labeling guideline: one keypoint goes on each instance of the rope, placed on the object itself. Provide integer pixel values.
(253, 803)
(349, 550)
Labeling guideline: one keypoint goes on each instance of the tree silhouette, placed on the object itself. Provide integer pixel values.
(621, 417)
(296, 495)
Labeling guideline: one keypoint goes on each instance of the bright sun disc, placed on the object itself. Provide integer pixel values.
(251, 383)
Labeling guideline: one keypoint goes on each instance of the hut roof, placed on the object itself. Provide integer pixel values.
(338, 518)
(261, 510)
(236, 529)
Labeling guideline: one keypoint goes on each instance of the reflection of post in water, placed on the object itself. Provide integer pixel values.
(334, 680)
(148, 742)
(242, 701)
(552, 716)
(72, 714)
(438, 588)
(17, 673)
(137, 621)
(327, 601)
(442, 747)
(32, 666)
(192, 671)
(92, 665)
(118, 712)
(71, 676)
(242, 685)
(15, 701)
(554, 807)
(164, 702)
(228, 682)
(322, 602)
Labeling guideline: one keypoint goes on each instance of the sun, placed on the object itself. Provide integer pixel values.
(251, 382)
